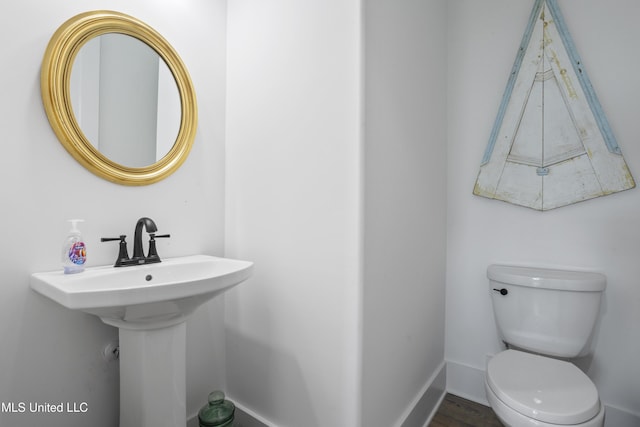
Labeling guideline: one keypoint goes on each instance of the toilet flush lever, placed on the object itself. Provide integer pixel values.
(502, 291)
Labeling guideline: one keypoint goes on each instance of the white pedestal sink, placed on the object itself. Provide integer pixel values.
(149, 304)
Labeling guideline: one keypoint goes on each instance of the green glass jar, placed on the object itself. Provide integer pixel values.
(218, 412)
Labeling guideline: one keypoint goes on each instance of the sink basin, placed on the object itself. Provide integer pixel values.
(149, 305)
(146, 296)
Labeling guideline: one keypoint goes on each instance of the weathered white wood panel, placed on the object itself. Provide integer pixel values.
(551, 144)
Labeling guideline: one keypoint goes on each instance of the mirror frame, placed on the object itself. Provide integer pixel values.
(56, 95)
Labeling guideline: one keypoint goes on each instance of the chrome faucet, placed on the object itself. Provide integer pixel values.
(138, 257)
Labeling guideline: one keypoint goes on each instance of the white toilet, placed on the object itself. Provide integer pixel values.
(542, 315)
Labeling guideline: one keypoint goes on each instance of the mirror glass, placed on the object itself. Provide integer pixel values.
(125, 99)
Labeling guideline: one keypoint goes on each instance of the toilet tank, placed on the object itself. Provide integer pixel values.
(552, 312)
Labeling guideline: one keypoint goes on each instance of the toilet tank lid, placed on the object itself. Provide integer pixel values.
(546, 278)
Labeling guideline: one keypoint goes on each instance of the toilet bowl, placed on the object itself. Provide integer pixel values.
(531, 390)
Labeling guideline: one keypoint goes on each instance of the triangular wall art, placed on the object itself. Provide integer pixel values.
(551, 144)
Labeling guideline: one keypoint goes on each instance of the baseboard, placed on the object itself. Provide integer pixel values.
(425, 404)
(614, 417)
(418, 414)
(192, 421)
(468, 382)
(242, 418)
(453, 377)
(247, 418)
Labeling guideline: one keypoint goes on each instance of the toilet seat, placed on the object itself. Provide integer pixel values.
(512, 418)
(548, 390)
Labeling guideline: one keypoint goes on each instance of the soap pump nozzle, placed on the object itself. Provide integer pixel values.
(74, 225)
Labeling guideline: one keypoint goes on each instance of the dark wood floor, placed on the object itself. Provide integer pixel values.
(458, 412)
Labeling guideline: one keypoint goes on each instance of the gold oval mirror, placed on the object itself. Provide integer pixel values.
(60, 98)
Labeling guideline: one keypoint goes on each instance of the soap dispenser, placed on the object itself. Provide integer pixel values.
(74, 251)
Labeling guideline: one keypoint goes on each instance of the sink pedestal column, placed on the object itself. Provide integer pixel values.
(153, 377)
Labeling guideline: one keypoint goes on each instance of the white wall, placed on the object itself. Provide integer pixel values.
(295, 200)
(293, 207)
(51, 354)
(295, 204)
(601, 234)
(405, 202)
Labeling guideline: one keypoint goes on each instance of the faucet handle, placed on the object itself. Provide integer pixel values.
(112, 239)
(123, 254)
(152, 256)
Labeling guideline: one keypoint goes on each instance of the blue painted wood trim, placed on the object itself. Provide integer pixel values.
(535, 13)
(585, 83)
